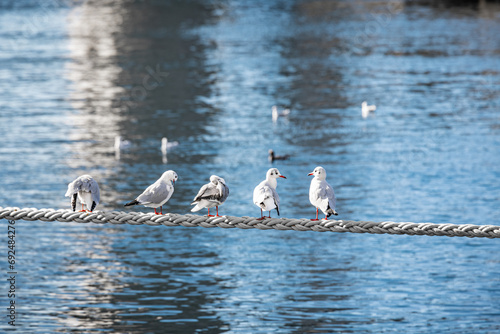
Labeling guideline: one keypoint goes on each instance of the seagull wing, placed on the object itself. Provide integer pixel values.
(208, 192)
(157, 193)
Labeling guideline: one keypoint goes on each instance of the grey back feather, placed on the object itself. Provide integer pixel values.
(84, 183)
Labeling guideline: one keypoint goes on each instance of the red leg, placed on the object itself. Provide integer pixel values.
(209, 215)
(83, 210)
(326, 218)
(217, 209)
(316, 215)
(261, 216)
(269, 213)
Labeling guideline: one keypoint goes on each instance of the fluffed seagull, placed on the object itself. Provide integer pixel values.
(166, 145)
(366, 109)
(272, 157)
(158, 193)
(321, 194)
(86, 189)
(211, 194)
(275, 114)
(265, 195)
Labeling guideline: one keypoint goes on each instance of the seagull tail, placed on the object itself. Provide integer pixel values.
(197, 207)
(134, 202)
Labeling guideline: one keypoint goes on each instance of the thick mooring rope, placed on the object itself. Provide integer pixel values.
(171, 219)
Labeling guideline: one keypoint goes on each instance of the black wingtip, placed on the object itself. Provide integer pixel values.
(134, 202)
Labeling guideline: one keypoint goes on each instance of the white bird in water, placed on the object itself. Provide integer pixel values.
(272, 157)
(121, 144)
(211, 194)
(86, 189)
(366, 109)
(265, 195)
(158, 193)
(275, 114)
(166, 145)
(321, 194)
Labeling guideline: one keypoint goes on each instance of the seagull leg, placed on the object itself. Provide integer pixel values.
(217, 209)
(316, 215)
(269, 213)
(83, 210)
(326, 218)
(261, 216)
(209, 215)
(161, 209)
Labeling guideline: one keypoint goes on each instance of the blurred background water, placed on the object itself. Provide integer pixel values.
(75, 74)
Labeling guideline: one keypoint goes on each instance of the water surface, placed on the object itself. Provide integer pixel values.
(206, 73)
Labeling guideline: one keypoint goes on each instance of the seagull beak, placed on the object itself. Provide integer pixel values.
(283, 176)
(310, 174)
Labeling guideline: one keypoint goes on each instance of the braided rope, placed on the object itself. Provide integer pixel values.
(171, 219)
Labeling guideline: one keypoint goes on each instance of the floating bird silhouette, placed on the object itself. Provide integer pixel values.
(211, 194)
(121, 144)
(157, 194)
(166, 145)
(275, 113)
(321, 194)
(265, 195)
(366, 109)
(272, 156)
(86, 190)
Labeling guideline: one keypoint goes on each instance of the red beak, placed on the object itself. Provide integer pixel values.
(310, 174)
(282, 176)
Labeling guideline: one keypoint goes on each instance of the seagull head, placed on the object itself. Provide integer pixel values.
(170, 175)
(319, 172)
(214, 179)
(274, 173)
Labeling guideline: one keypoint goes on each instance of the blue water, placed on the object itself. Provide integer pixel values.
(73, 75)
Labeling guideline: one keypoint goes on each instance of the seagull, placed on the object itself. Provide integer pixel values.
(276, 114)
(211, 194)
(86, 189)
(321, 194)
(166, 145)
(158, 193)
(366, 109)
(121, 143)
(265, 195)
(273, 156)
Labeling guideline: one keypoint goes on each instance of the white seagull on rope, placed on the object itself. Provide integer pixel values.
(265, 195)
(86, 190)
(157, 194)
(321, 194)
(211, 194)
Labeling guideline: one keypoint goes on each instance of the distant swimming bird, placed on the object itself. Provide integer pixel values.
(265, 195)
(211, 194)
(86, 189)
(275, 114)
(321, 194)
(166, 145)
(158, 193)
(366, 109)
(273, 156)
(121, 144)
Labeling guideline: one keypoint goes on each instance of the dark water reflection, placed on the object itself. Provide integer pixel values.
(206, 73)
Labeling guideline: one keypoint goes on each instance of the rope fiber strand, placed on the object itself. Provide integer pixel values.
(171, 219)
